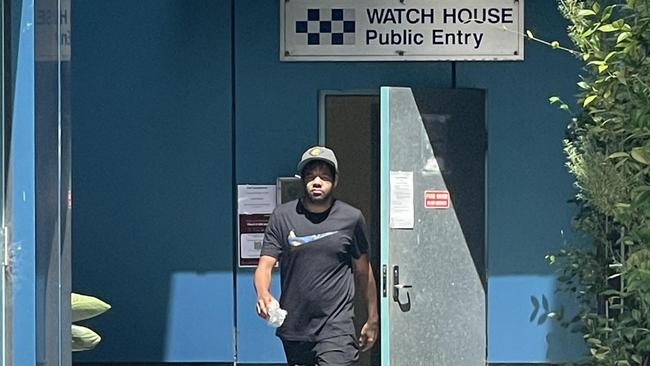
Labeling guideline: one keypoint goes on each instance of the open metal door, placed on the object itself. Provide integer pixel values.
(432, 200)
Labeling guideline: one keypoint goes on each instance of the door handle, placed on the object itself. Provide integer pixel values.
(396, 285)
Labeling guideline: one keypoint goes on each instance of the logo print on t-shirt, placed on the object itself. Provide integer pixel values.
(296, 241)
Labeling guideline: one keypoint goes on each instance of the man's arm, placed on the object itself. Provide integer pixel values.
(365, 285)
(263, 284)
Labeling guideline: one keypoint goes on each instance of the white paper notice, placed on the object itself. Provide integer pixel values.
(255, 199)
(401, 200)
(251, 245)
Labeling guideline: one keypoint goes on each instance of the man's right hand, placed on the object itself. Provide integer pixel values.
(263, 301)
(263, 284)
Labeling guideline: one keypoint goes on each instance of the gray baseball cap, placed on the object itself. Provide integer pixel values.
(318, 153)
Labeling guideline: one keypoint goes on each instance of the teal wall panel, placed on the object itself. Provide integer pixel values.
(152, 177)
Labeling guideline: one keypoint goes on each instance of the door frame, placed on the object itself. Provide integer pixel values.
(324, 93)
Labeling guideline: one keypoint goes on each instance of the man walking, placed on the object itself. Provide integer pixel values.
(322, 247)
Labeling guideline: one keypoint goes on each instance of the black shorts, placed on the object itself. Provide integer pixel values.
(338, 351)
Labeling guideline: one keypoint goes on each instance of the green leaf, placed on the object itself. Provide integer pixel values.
(607, 13)
(602, 68)
(628, 333)
(607, 28)
(642, 199)
(584, 85)
(586, 12)
(636, 358)
(610, 292)
(623, 36)
(86, 307)
(550, 259)
(644, 345)
(595, 7)
(619, 154)
(596, 62)
(83, 338)
(594, 341)
(590, 31)
(555, 44)
(553, 99)
(530, 34)
(610, 55)
(599, 355)
(642, 189)
(641, 155)
(588, 100)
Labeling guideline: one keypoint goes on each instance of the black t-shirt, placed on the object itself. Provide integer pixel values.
(316, 253)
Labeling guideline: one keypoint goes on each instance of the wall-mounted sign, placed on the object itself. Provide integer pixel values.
(436, 199)
(398, 30)
(255, 203)
(401, 211)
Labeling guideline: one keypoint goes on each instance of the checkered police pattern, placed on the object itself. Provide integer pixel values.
(328, 27)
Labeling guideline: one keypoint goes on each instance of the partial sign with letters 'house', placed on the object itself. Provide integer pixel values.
(380, 30)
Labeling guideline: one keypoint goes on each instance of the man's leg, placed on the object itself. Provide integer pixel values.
(337, 351)
(299, 353)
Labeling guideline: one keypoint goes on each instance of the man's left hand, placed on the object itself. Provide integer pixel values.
(368, 336)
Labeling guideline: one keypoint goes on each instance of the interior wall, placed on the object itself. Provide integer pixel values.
(152, 181)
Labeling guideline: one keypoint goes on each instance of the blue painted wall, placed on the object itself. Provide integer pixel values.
(153, 106)
(152, 161)
(528, 188)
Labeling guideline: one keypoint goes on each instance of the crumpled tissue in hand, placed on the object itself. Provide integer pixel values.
(276, 315)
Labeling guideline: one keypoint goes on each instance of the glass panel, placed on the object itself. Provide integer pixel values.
(3, 98)
(52, 134)
(20, 190)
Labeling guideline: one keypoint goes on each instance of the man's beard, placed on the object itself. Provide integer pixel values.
(320, 199)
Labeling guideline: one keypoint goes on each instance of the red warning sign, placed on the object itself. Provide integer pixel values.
(436, 199)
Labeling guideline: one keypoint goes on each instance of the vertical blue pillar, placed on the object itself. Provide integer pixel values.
(21, 198)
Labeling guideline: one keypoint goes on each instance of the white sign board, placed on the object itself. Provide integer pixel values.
(255, 203)
(399, 30)
(402, 212)
(255, 199)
